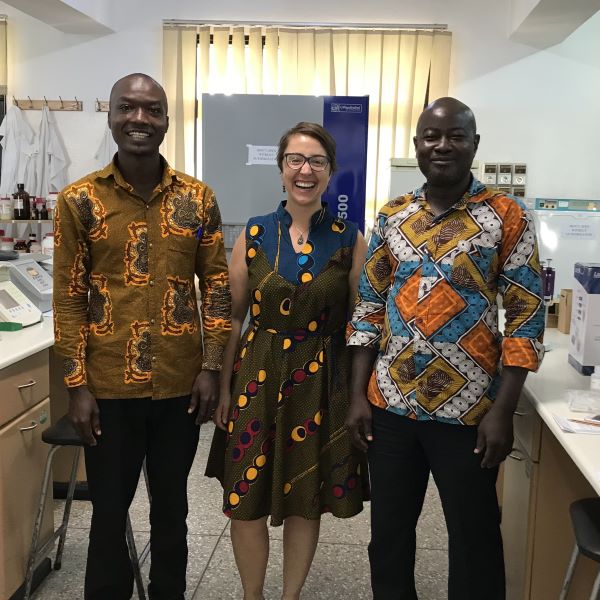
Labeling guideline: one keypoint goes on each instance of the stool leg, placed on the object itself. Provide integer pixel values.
(67, 511)
(595, 595)
(35, 538)
(135, 563)
(146, 549)
(569, 574)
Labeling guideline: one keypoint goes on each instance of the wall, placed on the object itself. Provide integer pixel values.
(532, 106)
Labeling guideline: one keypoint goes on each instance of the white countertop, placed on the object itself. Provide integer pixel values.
(546, 390)
(17, 345)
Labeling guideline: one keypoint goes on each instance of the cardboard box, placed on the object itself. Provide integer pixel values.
(565, 304)
(584, 338)
(552, 314)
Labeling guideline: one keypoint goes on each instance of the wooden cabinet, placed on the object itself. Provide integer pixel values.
(560, 483)
(518, 515)
(22, 459)
(519, 498)
(540, 483)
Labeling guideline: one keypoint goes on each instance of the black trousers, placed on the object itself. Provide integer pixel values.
(401, 456)
(166, 435)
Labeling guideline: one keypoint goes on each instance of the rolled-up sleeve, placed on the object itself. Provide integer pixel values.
(366, 326)
(521, 288)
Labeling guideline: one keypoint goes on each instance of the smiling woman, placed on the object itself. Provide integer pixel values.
(281, 448)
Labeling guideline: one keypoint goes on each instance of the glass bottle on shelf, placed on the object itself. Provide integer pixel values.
(6, 208)
(33, 211)
(33, 246)
(20, 246)
(42, 210)
(21, 203)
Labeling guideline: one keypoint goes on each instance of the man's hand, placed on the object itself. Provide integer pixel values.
(84, 414)
(358, 422)
(205, 395)
(495, 437)
(221, 415)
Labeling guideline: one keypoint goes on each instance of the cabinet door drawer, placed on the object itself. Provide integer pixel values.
(23, 456)
(22, 385)
(520, 480)
(528, 427)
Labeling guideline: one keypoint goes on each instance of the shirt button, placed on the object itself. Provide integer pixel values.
(153, 358)
(151, 321)
(147, 206)
(150, 245)
(152, 282)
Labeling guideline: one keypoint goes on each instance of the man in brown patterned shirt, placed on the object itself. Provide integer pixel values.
(141, 364)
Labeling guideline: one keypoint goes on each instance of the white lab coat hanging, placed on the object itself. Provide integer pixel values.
(52, 160)
(18, 147)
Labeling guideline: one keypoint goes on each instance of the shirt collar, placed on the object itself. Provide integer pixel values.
(111, 171)
(316, 218)
(476, 192)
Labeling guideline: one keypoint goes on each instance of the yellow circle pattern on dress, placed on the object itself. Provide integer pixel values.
(307, 248)
(306, 277)
(257, 295)
(260, 461)
(318, 417)
(298, 433)
(234, 499)
(255, 310)
(313, 366)
(312, 326)
(284, 307)
(254, 230)
(321, 357)
(262, 376)
(287, 488)
(287, 343)
(251, 252)
(242, 401)
(251, 473)
(338, 226)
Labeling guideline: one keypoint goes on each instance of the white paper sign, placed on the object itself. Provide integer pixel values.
(261, 155)
(579, 230)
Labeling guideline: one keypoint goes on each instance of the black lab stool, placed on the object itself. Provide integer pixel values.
(62, 434)
(585, 516)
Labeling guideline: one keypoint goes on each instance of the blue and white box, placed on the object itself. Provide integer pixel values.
(584, 346)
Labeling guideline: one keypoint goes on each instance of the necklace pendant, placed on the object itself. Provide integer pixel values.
(300, 240)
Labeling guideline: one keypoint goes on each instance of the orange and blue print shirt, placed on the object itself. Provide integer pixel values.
(427, 302)
(126, 320)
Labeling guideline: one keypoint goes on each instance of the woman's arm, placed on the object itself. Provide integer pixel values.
(238, 281)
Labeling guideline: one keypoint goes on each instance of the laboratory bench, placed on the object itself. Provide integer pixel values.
(24, 415)
(546, 471)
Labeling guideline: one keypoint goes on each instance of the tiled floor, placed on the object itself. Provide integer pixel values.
(340, 569)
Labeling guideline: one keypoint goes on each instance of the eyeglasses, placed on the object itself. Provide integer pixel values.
(296, 161)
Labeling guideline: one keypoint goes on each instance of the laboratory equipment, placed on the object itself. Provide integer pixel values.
(27, 274)
(584, 338)
(15, 307)
(568, 231)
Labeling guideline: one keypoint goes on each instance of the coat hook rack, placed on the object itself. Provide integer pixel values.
(60, 104)
(102, 105)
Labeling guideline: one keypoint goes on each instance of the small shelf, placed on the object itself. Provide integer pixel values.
(17, 221)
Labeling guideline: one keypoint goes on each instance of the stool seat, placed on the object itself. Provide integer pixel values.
(585, 515)
(62, 433)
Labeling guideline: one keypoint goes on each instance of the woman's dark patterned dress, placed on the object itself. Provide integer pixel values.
(286, 451)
